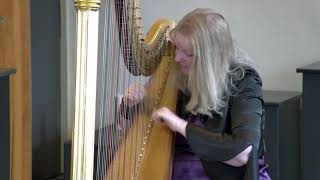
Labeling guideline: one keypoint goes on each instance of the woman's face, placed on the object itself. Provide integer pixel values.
(184, 53)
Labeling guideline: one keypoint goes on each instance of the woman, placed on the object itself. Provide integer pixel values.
(221, 116)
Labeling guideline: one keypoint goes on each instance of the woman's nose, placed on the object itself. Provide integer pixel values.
(178, 57)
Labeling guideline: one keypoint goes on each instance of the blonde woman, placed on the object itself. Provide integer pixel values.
(221, 115)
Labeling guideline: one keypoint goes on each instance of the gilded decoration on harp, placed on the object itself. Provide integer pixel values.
(93, 5)
(151, 122)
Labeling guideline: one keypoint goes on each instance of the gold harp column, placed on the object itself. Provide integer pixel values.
(85, 96)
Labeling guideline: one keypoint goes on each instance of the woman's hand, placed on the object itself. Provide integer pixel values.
(174, 122)
(134, 94)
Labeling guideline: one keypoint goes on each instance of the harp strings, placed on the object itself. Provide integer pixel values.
(119, 36)
(103, 136)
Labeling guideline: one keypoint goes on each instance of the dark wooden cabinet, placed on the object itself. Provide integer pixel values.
(310, 132)
(5, 122)
(282, 134)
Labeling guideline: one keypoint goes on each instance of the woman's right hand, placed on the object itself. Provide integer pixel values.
(134, 94)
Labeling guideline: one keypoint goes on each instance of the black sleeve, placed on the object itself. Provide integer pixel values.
(246, 114)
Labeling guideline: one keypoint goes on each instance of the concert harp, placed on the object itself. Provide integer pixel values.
(106, 145)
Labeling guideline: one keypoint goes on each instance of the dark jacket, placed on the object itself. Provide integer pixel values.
(224, 136)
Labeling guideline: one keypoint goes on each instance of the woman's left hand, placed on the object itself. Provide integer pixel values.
(174, 122)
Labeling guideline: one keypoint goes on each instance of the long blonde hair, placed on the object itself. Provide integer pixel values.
(218, 61)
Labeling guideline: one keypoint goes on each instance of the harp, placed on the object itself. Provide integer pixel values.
(127, 149)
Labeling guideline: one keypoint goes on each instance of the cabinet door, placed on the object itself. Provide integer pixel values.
(272, 140)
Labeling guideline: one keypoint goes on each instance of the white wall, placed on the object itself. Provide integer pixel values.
(67, 70)
(279, 35)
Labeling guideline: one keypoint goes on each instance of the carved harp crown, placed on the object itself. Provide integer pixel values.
(108, 144)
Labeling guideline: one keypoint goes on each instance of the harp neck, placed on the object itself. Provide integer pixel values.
(146, 49)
